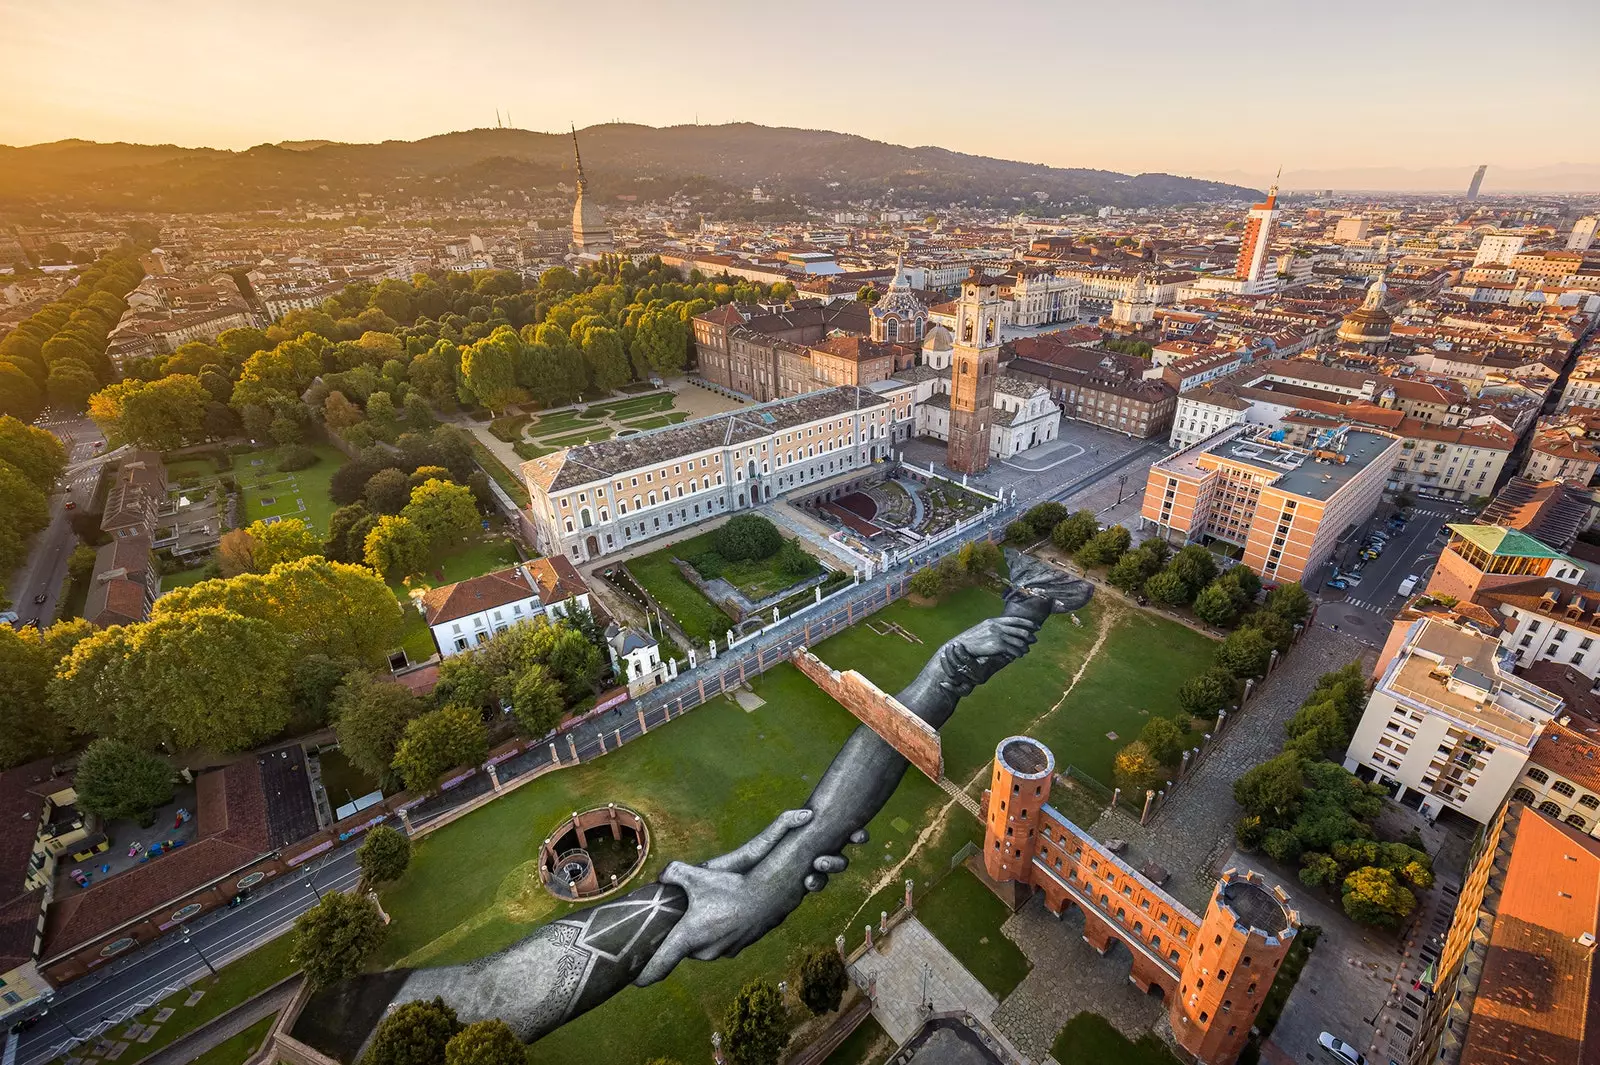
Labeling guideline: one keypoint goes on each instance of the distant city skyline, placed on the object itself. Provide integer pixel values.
(1364, 94)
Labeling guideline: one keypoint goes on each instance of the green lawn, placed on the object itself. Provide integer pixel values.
(1090, 1038)
(509, 482)
(756, 579)
(706, 783)
(591, 435)
(242, 979)
(259, 480)
(237, 1051)
(343, 782)
(415, 637)
(700, 618)
(632, 408)
(967, 917)
(1136, 674)
(183, 578)
(555, 424)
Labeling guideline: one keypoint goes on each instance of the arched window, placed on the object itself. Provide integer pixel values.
(891, 330)
(1589, 802)
(1538, 776)
(1561, 787)
(1575, 821)
(1550, 808)
(1522, 795)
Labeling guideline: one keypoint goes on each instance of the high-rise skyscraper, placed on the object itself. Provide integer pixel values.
(973, 367)
(1582, 235)
(1257, 240)
(1477, 182)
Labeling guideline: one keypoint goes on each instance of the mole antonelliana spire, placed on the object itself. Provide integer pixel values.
(590, 236)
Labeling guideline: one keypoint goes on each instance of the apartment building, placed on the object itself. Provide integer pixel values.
(1283, 506)
(1583, 385)
(467, 613)
(1449, 725)
(1566, 447)
(1516, 977)
(597, 499)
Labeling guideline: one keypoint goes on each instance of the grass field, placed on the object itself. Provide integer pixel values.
(967, 917)
(700, 618)
(183, 578)
(509, 482)
(301, 494)
(591, 435)
(867, 1045)
(1089, 1037)
(710, 780)
(631, 408)
(756, 579)
(237, 1051)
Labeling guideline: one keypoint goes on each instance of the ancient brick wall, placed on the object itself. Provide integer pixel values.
(883, 713)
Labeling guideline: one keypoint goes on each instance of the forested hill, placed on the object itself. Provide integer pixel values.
(812, 166)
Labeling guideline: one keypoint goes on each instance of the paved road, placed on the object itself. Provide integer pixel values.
(1367, 609)
(107, 999)
(46, 567)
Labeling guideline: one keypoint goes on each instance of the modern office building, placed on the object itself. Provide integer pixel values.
(1285, 507)
(1251, 267)
(1477, 182)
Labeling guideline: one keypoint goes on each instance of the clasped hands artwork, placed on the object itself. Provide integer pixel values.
(717, 908)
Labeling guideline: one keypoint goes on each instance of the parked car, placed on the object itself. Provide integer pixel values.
(1340, 1049)
(1352, 580)
(1338, 584)
(41, 597)
(1409, 585)
(70, 505)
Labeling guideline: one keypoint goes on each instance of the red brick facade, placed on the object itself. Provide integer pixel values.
(883, 713)
(1214, 971)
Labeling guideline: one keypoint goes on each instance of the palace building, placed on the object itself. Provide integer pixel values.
(1213, 969)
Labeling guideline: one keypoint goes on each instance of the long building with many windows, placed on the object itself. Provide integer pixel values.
(1284, 506)
(597, 499)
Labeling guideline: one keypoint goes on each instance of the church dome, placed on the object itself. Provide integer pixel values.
(1369, 323)
(899, 314)
(938, 338)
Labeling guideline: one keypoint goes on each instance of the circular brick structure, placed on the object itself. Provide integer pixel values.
(593, 853)
(1026, 758)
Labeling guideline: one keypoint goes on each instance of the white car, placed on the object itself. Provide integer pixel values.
(1340, 1049)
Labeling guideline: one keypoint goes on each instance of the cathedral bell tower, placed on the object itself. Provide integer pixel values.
(973, 367)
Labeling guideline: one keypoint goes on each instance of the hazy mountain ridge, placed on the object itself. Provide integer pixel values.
(815, 166)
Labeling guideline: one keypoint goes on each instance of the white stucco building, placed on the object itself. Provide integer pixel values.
(463, 615)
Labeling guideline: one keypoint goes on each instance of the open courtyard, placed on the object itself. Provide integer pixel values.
(713, 778)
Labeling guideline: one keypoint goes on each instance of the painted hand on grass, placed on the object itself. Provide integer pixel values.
(736, 898)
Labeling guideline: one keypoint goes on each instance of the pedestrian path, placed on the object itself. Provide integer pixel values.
(915, 976)
(959, 794)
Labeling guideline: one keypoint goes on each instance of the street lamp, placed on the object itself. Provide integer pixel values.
(313, 887)
(62, 1021)
(191, 943)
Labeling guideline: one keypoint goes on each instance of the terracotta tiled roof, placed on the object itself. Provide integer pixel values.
(727, 314)
(232, 834)
(1537, 998)
(450, 602)
(1569, 754)
(557, 578)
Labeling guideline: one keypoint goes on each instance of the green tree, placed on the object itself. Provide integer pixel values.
(340, 547)
(334, 939)
(338, 413)
(383, 855)
(1205, 693)
(437, 741)
(489, 1042)
(37, 454)
(416, 1033)
(538, 701)
(370, 717)
(928, 583)
(1046, 515)
(1167, 587)
(607, 357)
(747, 537)
(281, 541)
(489, 369)
(663, 341)
(212, 678)
(30, 726)
(1104, 547)
(1289, 601)
(1318, 729)
(1020, 533)
(1216, 606)
(396, 547)
(1075, 531)
(1245, 653)
(756, 1026)
(867, 295)
(1196, 566)
(445, 513)
(1272, 790)
(1164, 740)
(793, 560)
(117, 781)
(823, 980)
(387, 491)
(162, 415)
(1376, 897)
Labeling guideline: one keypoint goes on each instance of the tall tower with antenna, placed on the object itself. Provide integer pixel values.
(1257, 240)
(590, 235)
